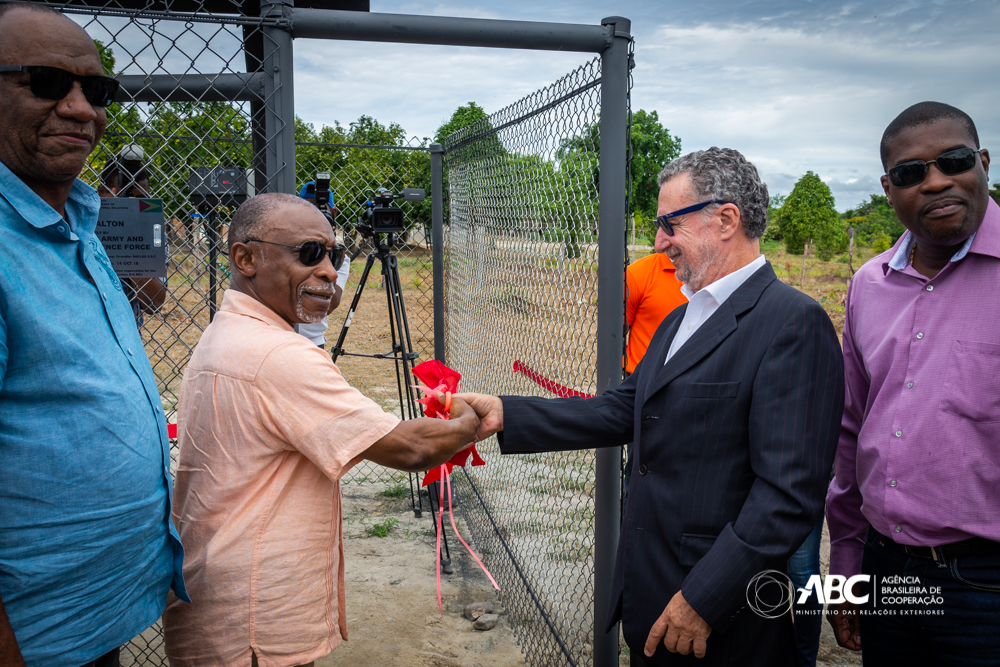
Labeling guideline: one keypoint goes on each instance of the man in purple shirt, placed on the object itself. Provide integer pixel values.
(917, 487)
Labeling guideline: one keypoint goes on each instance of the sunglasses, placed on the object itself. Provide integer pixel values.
(950, 163)
(52, 83)
(663, 221)
(311, 253)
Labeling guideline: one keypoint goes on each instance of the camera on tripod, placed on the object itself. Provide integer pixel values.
(381, 217)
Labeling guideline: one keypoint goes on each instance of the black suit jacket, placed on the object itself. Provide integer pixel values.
(733, 442)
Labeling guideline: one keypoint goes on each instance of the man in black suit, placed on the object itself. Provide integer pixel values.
(735, 413)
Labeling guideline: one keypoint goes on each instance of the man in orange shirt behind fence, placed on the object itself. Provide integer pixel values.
(267, 427)
(653, 292)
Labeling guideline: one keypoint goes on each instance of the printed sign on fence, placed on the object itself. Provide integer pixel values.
(133, 236)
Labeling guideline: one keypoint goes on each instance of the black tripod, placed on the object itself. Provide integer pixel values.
(402, 354)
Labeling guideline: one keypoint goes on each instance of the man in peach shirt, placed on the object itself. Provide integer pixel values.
(267, 426)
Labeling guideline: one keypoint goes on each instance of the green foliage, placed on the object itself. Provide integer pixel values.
(462, 118)
(398, 490)
(773, 231)
(653, 147)
(382, 529)
(995, 192)
(809, 213)
(875, 223)
(352, 168)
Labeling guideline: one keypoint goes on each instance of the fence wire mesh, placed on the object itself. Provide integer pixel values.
(356, 171)
(521, 262)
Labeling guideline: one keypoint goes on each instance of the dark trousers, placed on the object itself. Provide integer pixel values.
(109, 659)
(966, 633)
(809, 615)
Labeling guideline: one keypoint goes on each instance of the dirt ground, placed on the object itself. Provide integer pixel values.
(392, 613)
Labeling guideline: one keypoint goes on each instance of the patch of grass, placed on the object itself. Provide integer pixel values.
(397, 491)
(382, 529)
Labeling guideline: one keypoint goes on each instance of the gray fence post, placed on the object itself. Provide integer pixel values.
(610, 291)
(279, 100)
(437, 241)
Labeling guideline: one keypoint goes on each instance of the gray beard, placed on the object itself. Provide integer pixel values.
(694, 277)
(300, 310)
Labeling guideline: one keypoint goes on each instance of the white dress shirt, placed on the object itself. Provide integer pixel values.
(704, 302)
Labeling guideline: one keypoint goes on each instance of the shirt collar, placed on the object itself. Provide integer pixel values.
(239, 303)
(986, 241)
(81, 208)
(724, 287)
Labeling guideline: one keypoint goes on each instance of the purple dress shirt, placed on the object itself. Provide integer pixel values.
(919, 450)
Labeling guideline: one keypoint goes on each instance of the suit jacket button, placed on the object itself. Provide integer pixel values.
(642, 470)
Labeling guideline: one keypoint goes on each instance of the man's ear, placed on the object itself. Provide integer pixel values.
(242, 258)
(729, 220)
(885, 187)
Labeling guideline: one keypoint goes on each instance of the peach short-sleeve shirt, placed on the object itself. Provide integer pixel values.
(267, 426)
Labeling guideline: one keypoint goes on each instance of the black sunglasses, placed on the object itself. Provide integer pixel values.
(663, 221)
(53, 83)
(950, 163)
(311, 253)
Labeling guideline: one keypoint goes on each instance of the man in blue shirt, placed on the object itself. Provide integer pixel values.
(87, 550)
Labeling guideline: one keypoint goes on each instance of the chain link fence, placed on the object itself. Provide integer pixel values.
(521, 262)
(521, 269)
(356, 171)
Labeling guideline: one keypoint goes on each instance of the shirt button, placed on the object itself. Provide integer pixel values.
(899, 529)
(104, 295)
(130, 352)
(899, 434)
(920, 335)
(909, 385)
(689, 326)
(892, 483)
(62, 229)
(642, 470)
(930, 288)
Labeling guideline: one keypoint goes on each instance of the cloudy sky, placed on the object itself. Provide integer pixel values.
(795, 85)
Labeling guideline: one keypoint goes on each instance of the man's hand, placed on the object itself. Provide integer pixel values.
(681, 629)
(846, 624)
(490, 412)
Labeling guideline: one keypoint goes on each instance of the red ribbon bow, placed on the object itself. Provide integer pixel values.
(444, 380)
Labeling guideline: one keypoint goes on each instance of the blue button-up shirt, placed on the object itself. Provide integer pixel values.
(87, 548)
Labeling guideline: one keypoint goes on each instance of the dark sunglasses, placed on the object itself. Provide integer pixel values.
(52, 83)
(311, 253)
(951, 163)
(663, 221)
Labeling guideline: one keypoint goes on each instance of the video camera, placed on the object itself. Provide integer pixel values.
(381, 217)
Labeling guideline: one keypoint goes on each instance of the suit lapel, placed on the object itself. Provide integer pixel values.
(719, 326)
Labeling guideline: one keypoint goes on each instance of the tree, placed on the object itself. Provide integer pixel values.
(995, 192)
(773, 231)
(809, 213)
(462, 118)
(653, 147)
(875, 223)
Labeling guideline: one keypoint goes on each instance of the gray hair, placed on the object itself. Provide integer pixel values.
(255, 216)
(723, 173)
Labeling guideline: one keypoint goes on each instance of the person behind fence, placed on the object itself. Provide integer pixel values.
(267, 426)
(734, 412)
(87, 550)
(918, 463)
(126, 176)
(316, 331)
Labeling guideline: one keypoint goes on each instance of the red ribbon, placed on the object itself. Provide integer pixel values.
(547, 384)
(444, 380)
